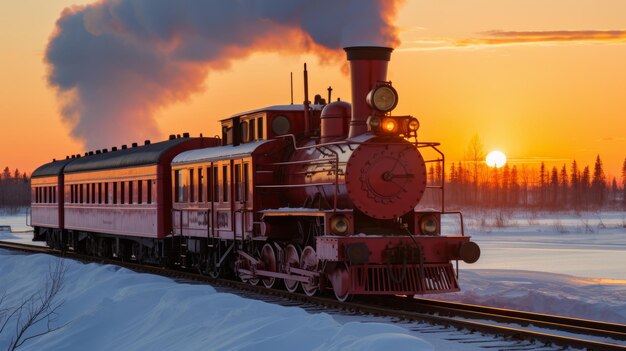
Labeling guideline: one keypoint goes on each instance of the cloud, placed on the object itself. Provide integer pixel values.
(497, 37)
(114, 63)
(501, 38)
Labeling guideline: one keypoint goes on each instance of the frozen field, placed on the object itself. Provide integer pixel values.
(591, 244)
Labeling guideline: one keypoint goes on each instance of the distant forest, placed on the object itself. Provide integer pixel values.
(467, 184)
(14, 189)
(473, 184)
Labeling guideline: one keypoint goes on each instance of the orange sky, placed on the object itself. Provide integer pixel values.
(535, 79)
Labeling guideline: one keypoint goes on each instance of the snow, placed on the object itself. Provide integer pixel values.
(591, 244)
(110, 308)
(20, 231)
(550, 293)
(559, 263)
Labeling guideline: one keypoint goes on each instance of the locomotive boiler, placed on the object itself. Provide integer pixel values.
(319, 196)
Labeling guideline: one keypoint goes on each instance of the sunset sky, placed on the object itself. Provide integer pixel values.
(538, 80)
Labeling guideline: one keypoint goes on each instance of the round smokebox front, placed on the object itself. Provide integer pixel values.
(385, 181)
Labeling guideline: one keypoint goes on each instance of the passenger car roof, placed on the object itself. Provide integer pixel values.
(53, 168)
(134, 156)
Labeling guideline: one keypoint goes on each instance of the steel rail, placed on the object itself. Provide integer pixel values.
(573, 325)
(403, 308)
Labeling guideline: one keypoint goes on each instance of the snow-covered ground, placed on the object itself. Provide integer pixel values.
(591, 244)
(109, 308)
(564, 263)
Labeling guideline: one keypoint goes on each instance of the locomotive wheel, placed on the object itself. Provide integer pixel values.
(340, 279)
(292, 259)
(268, 257)
(309, 261)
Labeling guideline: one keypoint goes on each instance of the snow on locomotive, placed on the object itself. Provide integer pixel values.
(314, 196)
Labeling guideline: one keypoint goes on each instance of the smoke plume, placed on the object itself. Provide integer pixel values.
(115, 62)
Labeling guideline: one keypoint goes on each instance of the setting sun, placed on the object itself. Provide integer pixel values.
(496, 159)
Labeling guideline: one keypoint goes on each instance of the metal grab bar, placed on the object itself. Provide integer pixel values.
(460, 218)
(319, 147)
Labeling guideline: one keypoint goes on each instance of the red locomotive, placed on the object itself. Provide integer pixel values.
(317, 196)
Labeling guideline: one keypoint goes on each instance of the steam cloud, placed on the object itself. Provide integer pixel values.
(115, 62)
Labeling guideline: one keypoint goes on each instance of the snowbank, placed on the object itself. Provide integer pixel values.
(109, 308)
(566, 295)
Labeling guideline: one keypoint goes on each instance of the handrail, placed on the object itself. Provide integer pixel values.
(442, 181)
(460, 218)
(292, 185)
(314, 161)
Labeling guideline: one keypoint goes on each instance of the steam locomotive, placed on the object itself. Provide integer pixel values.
(314, 197)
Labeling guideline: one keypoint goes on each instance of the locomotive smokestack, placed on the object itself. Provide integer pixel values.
(368, 66)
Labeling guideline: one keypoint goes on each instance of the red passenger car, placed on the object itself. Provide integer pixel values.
(117, 203)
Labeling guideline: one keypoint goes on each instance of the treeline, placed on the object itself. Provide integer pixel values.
(472, 183)
(14, 189)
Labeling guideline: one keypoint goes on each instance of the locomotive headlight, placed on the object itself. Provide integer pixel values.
(414, 124)
(390, 125)
(339, 224)
(383, 98)
(373, 122)
(429, 225)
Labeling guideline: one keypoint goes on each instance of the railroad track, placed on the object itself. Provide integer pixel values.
(509, 324)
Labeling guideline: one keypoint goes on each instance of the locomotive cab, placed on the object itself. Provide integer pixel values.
(270, 123)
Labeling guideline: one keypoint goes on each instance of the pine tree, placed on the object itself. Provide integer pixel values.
(461, 179)
(506, 179)
(453, 173)
(575, 189)
(542, 184)
(438, 175)
(584, 186)
(564, 185)
(454, 186)
(554, 185)
(598, 183)
(514, 186)
(495, 187)
(6, 174)
(624, 183)
(431, 174)
(614, 191)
